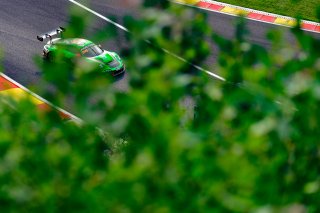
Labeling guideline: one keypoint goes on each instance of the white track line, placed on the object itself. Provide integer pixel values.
(165, 50)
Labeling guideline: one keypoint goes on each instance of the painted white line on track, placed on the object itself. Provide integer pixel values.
(165, 50)
(99, 15)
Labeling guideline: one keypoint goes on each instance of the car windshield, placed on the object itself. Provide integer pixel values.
(91, 51)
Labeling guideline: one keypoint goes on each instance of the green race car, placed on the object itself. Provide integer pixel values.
(108, 62)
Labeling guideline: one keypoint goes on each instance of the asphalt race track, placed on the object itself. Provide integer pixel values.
(21, 21)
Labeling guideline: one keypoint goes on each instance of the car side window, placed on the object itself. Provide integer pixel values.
(72, 49)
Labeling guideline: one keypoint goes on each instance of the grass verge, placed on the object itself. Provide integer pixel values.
(293, 8)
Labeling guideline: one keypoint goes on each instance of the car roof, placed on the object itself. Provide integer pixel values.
(77, 42)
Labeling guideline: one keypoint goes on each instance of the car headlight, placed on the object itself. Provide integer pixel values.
(116, 56)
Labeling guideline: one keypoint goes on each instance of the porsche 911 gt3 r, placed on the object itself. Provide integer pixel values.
(107, 61)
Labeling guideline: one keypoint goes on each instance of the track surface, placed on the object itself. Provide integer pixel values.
(21, 21)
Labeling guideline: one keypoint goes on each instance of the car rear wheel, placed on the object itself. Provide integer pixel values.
(49, 56)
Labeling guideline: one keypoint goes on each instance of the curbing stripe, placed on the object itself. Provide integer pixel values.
(254, 14)
(309, 27)
(284, 21)
(268, 18)
(5, 84)
(11, 88)
(203, 4)
(19, 94)
(47, 108)
(233, 10)
(215, 7)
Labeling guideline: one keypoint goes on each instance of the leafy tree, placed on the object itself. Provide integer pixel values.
(250, 143)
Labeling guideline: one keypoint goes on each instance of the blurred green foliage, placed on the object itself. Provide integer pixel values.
(250, 144)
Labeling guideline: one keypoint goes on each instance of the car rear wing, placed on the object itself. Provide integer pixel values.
(50, 34)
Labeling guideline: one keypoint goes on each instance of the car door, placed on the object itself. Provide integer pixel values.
(71, 52)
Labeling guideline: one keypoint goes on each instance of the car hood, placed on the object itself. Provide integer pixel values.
(105, 58)
(108, 61)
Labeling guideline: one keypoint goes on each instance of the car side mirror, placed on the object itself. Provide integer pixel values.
(99, 45)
